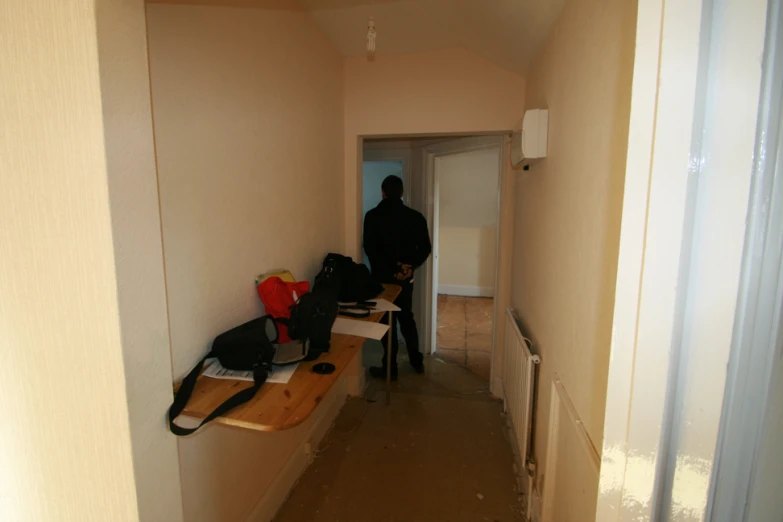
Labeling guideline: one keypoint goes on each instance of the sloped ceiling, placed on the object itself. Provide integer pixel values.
(507, 32)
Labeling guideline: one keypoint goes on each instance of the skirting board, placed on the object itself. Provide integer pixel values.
(497, 389)
(535, 507)
(466, 291)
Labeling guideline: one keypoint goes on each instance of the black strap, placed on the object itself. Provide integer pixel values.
(359, 310)
(186, 390)
(360, 314)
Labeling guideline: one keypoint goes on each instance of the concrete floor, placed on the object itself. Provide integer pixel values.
(439, 453)
(464, 333)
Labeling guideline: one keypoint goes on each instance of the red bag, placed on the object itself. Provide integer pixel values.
(278, 297)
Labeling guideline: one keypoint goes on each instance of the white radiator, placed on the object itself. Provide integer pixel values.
(519, 370)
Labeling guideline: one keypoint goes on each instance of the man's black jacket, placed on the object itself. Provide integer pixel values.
(394, 233)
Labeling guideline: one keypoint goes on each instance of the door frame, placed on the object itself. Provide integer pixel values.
(418, 193)
(758, 334)
(695, 100)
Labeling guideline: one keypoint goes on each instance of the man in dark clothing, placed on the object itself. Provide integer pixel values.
(397, 242)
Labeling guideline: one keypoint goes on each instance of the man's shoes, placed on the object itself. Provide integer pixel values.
(379, 372)
(419, 367)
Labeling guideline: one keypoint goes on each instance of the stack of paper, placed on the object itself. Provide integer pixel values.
(279, 374)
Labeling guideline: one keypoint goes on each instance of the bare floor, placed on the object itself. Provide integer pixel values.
(465, 332)
(439, 453)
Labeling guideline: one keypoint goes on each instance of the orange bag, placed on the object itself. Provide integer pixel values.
(278, 297)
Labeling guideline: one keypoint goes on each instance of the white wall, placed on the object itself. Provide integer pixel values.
(467, 261)
(467, 221)
(133, 195)
(86, 375)
(468, 189)
(248, 121)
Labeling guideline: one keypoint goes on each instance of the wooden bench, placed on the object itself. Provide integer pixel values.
(282, 406)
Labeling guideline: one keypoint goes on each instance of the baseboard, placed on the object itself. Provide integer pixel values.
(497, 389)
(467, 291)
(525, 480)
(277, 493)
(356, 385)
(535, 507)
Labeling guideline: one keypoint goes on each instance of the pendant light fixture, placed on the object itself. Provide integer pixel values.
(371, 36)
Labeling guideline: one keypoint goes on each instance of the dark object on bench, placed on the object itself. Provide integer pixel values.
(243, 348)
(351, 281)
(323, 368)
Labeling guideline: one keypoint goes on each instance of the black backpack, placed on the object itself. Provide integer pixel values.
(244, 348)
(350, 282)
(312, 318)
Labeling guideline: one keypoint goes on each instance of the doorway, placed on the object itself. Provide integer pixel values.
(455, 183)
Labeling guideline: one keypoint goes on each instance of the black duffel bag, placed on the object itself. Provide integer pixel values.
(350, 282)
(245, 348)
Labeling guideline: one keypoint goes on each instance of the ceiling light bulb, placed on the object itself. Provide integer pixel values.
(371, 35)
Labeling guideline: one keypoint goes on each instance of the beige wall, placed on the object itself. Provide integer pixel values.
(467, 221)
(468, 188)
(568, 211)
(86, 372)
(444, 91)
(467, 260)
(248, 121)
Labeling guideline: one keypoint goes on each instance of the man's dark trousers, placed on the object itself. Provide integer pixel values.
(407, 326)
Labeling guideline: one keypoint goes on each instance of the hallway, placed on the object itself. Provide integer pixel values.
(439, 453)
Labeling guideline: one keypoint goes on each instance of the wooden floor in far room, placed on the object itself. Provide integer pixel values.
(465, 332)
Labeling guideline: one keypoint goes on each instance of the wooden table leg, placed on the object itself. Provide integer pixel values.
(389, 360)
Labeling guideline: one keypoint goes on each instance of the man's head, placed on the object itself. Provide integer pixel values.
(392, 187)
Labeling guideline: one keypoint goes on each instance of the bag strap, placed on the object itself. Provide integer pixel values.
(359, 310)
(182, 396)
(348, 312)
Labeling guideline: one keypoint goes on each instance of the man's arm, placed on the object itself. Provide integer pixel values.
(371, 239)
(423, 246)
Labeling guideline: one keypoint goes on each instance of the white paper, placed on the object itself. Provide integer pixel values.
(279, 374)
(381, 305)
(359, 328)
(282, 374)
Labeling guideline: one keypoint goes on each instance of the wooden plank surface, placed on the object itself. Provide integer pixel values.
(281, 406)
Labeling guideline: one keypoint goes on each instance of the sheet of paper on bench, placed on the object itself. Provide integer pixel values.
(381, 305)
(359, 328)
(279, 375)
